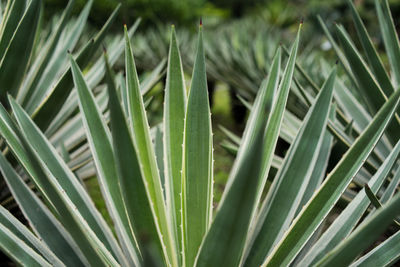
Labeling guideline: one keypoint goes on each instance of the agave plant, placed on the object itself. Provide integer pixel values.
(37, 75)
(172, 222)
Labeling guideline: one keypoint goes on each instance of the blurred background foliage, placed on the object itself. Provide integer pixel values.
(185, 13)
(240, 38)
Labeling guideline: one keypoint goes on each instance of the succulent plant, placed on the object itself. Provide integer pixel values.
(158, 184)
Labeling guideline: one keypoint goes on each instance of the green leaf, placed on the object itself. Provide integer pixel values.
(41, 219)
(371, 196)
(319, 170)
(93, 77)
(225, 241)
(56, 66)
(371, 53)
(50, 187)
(386, 254)
(325, 198)
(174, 123)
(57, 167)
(9, 23)
(22, 232)
(197, 179)
(285, 193)
(371, 90)
(233, 137)
(142, 141)
(390, 38)
(157, 135)
(100, 144)
(391, 188)
(15, 61)
(52, 104)
(20, 252)
(363, 236)
(41, 63)
(354, 109)
(348, 218)
(133, 189)
(338, 51)
(304, 74)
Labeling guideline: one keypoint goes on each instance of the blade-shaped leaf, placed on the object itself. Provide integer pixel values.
(66, 178)
(363, 236)
(371, 90)
(174, 122)
(52, 104)
(390, 38)
(319, 171)
(25, 235)
(227, 235)
(15, 61)
(224, 242)
(9, 23)
(56, 66)
(324, 199)
(133, 189)
(387, 253)
(50, 189)
(349, 217)
(40, 65)
(391, 188)
(370, 52)
(100, 144)
(285, 194)
(41, 219)
(142, 141)
(197, 180)
(20, 252)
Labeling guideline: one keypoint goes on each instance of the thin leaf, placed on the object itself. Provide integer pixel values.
(133, 189)
(50, 189)
(174, 123)
(15, 62)
(390, 38)
(371, 90)
(225, 241)
(9, 23)
(324, 199)
(56, 66)
(363, 236)
(22, 232)
(371, 53)
(386, 254)
(285, 194)
(40, 65)
(66, 178)
(142, 141)
(391, 188)
(197, 179)
(18, 250)
(41, 219)
(52, 104)
(100, 144)
(348, 218)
